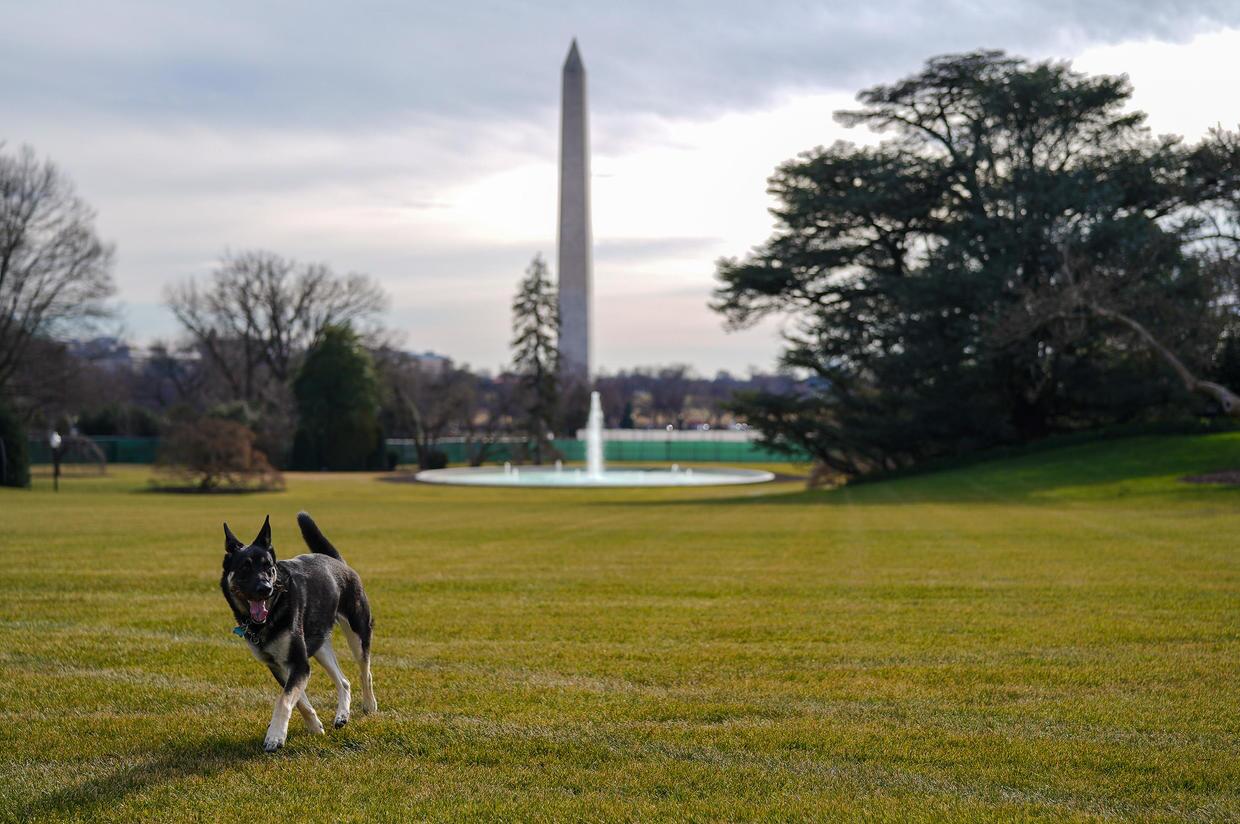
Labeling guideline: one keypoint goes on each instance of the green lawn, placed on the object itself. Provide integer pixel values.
(1050, 637)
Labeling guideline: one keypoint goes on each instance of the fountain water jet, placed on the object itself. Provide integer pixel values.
(594, 438)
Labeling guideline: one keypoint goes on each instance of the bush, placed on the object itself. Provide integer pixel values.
(434, 459)
(271, 422)
(15, 461)
(213, 454)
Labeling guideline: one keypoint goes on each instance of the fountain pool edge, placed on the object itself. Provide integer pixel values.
(548, 478)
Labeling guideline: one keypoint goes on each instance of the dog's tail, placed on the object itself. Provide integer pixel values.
(314, 538)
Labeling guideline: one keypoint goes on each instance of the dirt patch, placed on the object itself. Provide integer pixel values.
(1230, 477)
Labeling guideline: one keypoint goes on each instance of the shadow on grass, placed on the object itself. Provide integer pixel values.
(170, 762)
(195, 490)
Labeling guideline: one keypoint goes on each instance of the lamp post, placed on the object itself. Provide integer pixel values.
(54, 441)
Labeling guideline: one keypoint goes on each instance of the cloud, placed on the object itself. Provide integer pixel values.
(632, 250)
(417, 141)
(1175, 84)
(304, 63)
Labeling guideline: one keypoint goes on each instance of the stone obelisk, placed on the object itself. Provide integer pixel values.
(574, 255)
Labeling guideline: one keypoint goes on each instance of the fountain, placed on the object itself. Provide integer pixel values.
(594, 438)
(596, 473)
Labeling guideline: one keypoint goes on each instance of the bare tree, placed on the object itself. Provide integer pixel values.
(54, 270)
(491, 422)
(426, 403)
(171, 375)
(668, 393)
(258, 313)
(51, 384)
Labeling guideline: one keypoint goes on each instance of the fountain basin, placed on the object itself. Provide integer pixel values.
(540, 476)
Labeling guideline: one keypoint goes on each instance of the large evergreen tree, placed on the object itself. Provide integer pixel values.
(535, 354)
(917, 268)
(337, 406)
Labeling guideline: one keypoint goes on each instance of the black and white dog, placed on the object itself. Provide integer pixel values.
(285, 611)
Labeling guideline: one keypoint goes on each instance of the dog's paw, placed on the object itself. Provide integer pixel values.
(275, 739)
(314, 726)
(340, 721)
(369, 705)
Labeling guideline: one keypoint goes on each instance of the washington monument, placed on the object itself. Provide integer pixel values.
(574, 256)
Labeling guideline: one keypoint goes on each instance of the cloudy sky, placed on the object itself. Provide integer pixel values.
(416, 141)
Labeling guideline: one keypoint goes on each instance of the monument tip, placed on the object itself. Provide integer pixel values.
(573, 61)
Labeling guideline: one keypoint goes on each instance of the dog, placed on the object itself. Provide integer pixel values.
(285, 611)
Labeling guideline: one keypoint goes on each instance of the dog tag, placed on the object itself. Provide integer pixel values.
(239, 632)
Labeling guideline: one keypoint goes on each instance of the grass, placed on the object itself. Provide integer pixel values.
(1054, 637)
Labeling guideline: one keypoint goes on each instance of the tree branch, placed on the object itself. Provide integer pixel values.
(1221, 394)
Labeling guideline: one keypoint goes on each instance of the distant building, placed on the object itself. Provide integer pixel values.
(116, 355)
(430, 362)
(108, 352)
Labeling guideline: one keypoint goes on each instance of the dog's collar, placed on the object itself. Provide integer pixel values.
(252, 631)
(248, 631)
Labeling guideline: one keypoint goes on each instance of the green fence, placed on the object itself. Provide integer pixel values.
(115, 449)
(687, 451)
(119, 450)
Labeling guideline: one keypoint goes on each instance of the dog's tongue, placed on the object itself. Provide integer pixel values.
(258, 611)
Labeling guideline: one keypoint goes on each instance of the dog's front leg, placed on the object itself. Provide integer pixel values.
(313, 724)
(298, 669)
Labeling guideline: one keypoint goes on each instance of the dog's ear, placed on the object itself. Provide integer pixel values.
(264, 534)
(231, 544)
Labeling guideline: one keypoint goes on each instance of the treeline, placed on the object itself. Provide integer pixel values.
(278, 364)
(104, 387)
(347, 394)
